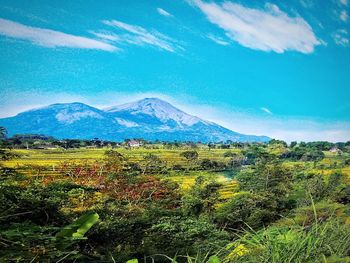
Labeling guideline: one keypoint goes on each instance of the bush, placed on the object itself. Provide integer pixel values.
(327, 242)
(184, 236)
(246, 210)
(207, 164)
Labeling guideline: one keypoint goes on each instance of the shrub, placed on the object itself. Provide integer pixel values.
(327, 242)
(181, 236)
(246, 210)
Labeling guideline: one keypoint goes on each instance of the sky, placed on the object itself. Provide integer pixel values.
(275, 68)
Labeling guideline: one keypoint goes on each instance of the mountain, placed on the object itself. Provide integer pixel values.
(150, 119)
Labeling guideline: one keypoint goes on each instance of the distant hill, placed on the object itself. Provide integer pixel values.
(149, 118)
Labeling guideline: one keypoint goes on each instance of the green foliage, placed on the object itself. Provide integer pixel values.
(180, 236)
(190, 156)
(320, 243)
(272, 178)
(229, 154)
(246, 210)
(201, 198)
(285, 210)
(3, 132)
(304, 153)
(36, 204)
(214, 259)
(152, 164)
(6, 155)
(78, 228)
(207, 164)
(114, 161)
(27, 241)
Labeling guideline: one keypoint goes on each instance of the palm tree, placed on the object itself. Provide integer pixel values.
(3, 132)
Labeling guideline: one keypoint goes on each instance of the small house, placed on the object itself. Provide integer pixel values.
(134, 143)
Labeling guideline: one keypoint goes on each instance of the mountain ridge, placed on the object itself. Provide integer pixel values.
(149, 118)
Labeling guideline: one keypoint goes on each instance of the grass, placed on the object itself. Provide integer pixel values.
(281, 245)
(45, 163)
(55, 156)
(314, 241)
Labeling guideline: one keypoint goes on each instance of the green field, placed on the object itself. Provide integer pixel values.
(45, 162)
(258, 203)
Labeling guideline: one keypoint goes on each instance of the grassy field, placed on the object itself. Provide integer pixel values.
(140, 207)
(55, 156)
(45, 163)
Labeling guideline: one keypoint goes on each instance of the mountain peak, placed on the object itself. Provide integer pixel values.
(157, 108)
(62, 106)
(146, 102)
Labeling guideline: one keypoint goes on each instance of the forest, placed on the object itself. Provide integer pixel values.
(96, 201)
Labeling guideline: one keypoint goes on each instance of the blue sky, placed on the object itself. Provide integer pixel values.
(276, 68)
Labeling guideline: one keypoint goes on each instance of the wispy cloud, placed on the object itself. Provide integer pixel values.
(218, 40)
(50, 38)
(307, 3)
(162, 12)
(269, 29)
(344, 2)
(106, 36)
(266, 110)
(344, 16)
(341, 37)
(138, 35)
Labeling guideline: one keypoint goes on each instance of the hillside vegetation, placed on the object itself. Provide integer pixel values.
(64, 201)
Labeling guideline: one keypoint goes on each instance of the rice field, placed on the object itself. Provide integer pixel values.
(46, 162)
(55, 156)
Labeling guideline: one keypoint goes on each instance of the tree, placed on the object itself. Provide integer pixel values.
(152, 164)
(230, 154)
(272, 180)
(114, 161)
(207, 164)
(3, 132)
(246, 209)
(191, 156)
(292, 144)
(202, 197)
(274, 142)
(184, 236)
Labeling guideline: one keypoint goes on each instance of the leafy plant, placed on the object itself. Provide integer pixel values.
(75, 231)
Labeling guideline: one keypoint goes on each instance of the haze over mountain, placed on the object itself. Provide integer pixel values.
(149, 118)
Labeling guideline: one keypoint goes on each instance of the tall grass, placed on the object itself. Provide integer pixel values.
(326, 242)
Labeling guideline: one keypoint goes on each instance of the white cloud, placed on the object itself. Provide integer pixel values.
(344, 16)
(162, 12)
(266, 110)
(218, 40)
(268, 30)
(341, 38)
(50, 38)
(344, 2)
(107, 36)
(138, 35)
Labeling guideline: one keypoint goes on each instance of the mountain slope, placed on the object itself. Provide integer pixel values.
(151, 111)
(69, 120)
(150, 118)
